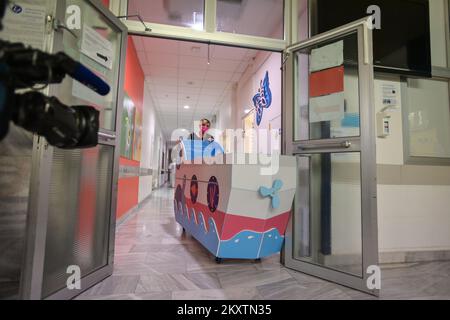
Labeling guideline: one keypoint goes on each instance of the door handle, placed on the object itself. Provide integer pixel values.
(106, 136)
(334, 145)
(57, 25)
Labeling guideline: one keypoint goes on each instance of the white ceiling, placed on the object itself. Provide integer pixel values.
(178, 74)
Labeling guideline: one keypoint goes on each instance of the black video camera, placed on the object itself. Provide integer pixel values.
(63, 126)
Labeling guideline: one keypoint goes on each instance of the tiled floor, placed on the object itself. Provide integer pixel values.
(154, 260)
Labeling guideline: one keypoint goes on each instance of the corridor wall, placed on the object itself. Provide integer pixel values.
(128, 192)
(142, 139)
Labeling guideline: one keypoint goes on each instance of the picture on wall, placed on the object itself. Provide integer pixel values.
(137, 141)
(128, 125)
(263, 98)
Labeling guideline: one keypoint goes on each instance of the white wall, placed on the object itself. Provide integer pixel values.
(148, 129)
(152, 143)
(412, 216)
(248, 86)
(225, 118)
(159, 144)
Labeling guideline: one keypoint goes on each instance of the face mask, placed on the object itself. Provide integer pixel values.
(204, 129)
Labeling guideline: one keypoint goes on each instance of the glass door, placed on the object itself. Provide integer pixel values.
(76, 190)
(329, 127)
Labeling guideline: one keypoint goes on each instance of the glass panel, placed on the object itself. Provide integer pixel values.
(181, 13)
(428, 109)
(95, 31)
(15, 174)
(79, 214)
(262, 18)
(327, 91)
(303, 20)
(327, 220)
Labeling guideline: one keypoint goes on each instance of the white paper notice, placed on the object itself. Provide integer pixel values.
(327, 57)
(25, 23)
(390, 94)
(326, 108)
(97, 48)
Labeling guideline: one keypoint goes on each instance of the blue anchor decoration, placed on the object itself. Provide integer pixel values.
(273, 193)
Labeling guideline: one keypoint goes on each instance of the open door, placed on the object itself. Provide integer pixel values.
(72, 215)
(329, 127)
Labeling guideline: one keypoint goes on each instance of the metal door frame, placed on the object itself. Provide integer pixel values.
(367, 141)
(34, 256)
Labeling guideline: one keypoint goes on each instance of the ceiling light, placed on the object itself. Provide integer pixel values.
(187, 107)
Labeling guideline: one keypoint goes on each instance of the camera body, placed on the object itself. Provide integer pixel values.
(63, 126)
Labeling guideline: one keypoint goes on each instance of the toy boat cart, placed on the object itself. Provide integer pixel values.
(233, 210)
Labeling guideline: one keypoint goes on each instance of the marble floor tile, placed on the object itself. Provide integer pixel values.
(171, 257)
(414, 269)
(252, 278)
(304, 279)
(139, 269)
(177, 282)
(218, 294)
(128, 258)
(155, 260)
(119, 249)
(421, 285)
(169, 267)
(113, 285)
(210, 265)
(357, 295)
(292, 290)
(147, 296)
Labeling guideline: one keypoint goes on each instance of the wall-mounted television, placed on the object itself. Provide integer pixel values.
(401, 46)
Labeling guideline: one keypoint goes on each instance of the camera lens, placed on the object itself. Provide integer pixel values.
(88, 126)
(64, 127)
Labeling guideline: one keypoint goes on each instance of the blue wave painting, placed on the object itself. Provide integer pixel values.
(245, 245)
(271, 244)
(210, 239)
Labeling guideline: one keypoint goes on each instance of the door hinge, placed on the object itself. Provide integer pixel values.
(286, 56)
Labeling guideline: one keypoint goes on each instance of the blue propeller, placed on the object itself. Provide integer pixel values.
(273, 193)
